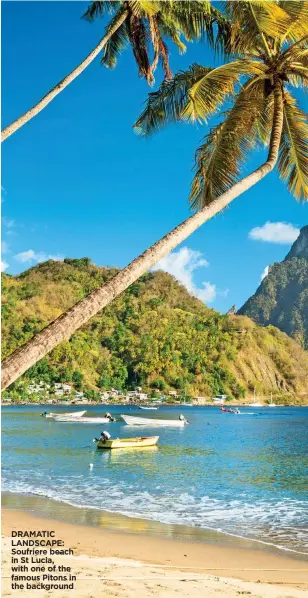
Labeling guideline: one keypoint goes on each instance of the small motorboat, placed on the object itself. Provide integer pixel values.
(148, 408)
(131, 420)
(120, 443)
(70, 414)
(235, 411)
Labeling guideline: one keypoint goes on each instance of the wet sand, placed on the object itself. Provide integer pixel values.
(131, 564)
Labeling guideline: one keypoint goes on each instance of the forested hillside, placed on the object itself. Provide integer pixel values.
(154, 335)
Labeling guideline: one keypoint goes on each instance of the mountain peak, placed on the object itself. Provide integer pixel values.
(300, 246)
(282, 297)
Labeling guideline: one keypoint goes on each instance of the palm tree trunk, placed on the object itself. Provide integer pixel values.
(24, 118)
(64, 326)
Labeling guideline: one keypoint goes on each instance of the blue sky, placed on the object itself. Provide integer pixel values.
(78, 182)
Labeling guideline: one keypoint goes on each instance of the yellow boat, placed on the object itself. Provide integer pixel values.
(119, 443)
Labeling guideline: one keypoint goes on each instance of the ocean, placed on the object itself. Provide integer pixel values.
(244, 475)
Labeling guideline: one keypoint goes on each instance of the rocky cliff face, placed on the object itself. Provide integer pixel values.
(282, 297)
(300, 246)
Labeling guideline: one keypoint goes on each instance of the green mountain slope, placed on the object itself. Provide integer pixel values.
(282, 297)
(154, 335)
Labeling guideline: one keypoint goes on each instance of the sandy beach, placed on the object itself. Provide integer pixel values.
(127, 565)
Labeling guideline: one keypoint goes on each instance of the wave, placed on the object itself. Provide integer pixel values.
(278, 524)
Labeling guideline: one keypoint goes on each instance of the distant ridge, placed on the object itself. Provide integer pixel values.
(282, 297)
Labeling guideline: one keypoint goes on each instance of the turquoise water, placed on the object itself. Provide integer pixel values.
(243, 475)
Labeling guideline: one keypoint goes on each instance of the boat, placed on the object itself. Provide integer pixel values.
(148, 408)
(255, 405)
(131, 420)
(235, 411)
(271, 404)
(120, 443)
(82, 420)
(70, 414)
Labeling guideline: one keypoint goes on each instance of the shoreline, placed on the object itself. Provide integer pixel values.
(43, 403)
(114, 556)
(113, 521)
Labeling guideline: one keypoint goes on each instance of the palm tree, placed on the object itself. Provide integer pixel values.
(271, 59)
(134, 23)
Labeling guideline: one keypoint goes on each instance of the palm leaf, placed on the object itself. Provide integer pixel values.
(117, 42)
(298, 76)
(218, 161)
(293, 153)
(167, 29)
(298, 11)
(196, 20)
(138, 38)
(207, 95)
(99, 9)
(255, 21)
(144, 8)
(165, 105)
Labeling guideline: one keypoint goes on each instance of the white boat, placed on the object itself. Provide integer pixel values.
(70, 414)
(148, 408)
(82, 420)
(272, 404)
(255, 405)
(131, 420)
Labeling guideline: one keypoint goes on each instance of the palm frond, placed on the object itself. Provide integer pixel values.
(144, 8)
(164, 57)
(298, 77)
(117, 42)
(156, 41)
(138, 38)
(208, 94)
(197, 20)
(165, 105)
(296, 53)
(293, 153)
(254, 22)
(99, 9)
(298, 11)
(167, 29)
(218, 161)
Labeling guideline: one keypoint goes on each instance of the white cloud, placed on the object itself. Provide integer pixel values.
(265, 273)
(4, 247)
(38, 257)
(275, 232)
(4, 266)
(182, 264)
(56, 257)
(26, 256)
(8, 223)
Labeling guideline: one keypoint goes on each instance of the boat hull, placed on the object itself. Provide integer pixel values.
(131, 420)
(82, 420)
(124, 443)
(70, 414)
